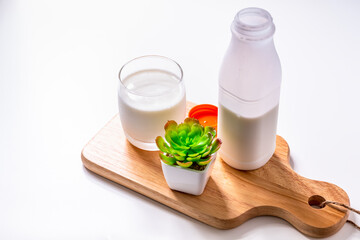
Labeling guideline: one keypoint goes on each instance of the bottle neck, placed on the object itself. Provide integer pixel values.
(253, 25)
(239, 43)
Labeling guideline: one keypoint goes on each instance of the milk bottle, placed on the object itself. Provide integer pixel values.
(249, 91)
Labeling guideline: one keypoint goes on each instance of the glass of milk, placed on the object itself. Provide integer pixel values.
(151, 92)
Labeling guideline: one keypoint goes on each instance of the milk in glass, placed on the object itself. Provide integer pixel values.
(147, 100)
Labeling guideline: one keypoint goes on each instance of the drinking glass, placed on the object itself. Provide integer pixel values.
(151, 92)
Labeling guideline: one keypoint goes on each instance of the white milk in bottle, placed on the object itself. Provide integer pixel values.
(249, 91)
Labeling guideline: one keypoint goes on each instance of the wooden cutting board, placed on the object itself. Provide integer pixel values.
(231, 196)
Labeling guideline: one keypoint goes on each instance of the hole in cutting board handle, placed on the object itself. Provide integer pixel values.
(315, 201)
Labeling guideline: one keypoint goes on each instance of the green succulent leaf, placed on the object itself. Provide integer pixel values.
(183, 127)
(211, 130)
(191, 121)
(167, 137)
(170, 125)
(168, 160)
(187, 140)
(195, 140)
(172, 138)
(203, 141)
(183, 136)
(204, 149)
(180, 158)
(182, 153)
(184, 164)
(193, 159)
(175, 137)
(196, 130)
(162, 145)
(205, 161)
(193, 154)
(199, 150)
(215, 146)
(207, 152)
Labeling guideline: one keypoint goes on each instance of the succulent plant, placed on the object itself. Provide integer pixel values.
(188, 144)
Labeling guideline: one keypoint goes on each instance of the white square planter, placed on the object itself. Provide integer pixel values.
(187, 180)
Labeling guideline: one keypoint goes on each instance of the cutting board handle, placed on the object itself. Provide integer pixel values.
(294, 198)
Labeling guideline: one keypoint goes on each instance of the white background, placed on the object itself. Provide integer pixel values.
(58, 76)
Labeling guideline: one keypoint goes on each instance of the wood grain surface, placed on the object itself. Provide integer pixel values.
(231, 196)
